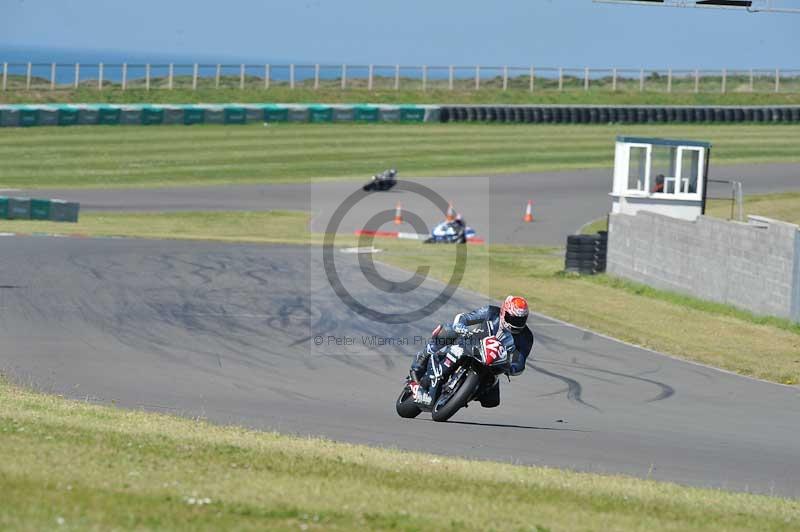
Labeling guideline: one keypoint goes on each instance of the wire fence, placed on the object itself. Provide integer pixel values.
(194, 76)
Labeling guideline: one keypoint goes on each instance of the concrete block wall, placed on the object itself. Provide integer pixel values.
(754, 266)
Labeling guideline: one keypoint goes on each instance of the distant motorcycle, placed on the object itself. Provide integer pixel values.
(383, 181)
(480, 359)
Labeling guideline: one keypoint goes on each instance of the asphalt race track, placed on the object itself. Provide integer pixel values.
(229, 332)
(494, 206)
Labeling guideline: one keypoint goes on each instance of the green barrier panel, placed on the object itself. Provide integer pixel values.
(48, 116)
(9, 116)
(389, 113)
(88, 115)
(411, 113)
(320, 113)
(343, 113)
(365, 113)
(235, 115)
(276, 114)
(109, 116)
(298, 113)
(19, 208)
(40, 209)
(152, 115)
(193, 115)
(3, 208)
(67, 116)
(28, 117)
(173, 114)
(64, 211)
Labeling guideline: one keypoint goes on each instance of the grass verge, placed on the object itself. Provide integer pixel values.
(714, 334)
(129, 156)
(78, 466)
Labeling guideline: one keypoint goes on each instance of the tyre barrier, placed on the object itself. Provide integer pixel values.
(586, 254)
(38, 209)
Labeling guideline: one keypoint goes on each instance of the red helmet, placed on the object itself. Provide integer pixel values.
(514, 314)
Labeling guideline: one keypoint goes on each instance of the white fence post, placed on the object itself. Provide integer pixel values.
(316, 76)
(505, 77)
(424, 77)
(194, 76)
(28, 78)
(450, 75)
(369, 77)
(777, 79)
(397, 77)
(77, 75)
(751, 80)
(344, 76)
(217, 75)
(724, 79)
(124, 76)
(170, 76)
(477, 77)
(532, 78)
(614, 79)
(586, 79)
(266, 76)
(696, 80)
(5, 76)
(291, 76)
(147, 77)
(100, 77)
(241, 77)
(52, 76)
(669, 80)
(560, 79)
(641, 80)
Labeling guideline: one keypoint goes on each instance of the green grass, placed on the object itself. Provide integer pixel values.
(489, 94)
(125, 156)
(714, 334)
(75, 466)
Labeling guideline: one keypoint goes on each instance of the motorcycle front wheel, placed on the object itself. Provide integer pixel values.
(406, 407)
(447, 405)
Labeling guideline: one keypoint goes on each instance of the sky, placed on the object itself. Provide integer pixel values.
(569, 33)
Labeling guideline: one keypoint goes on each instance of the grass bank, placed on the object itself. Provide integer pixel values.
(126, 156)
(684, 95)
(78, 466)
(713, 334)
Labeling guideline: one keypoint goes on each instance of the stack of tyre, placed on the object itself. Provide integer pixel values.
(586, 254)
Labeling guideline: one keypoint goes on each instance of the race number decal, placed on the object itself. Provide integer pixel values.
(493, 350)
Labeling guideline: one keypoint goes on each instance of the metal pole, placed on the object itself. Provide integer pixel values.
(614, 79)
(241, 77)
(316, 76)
(194, 77)
(28, 78)
(217, 76)
(560, 78)
(777, 78)
(52, 76)
(369, 77)
(641, 80)
(669, 80)
(477, 78)
(170, 76)
(532, 78)
(291, 76)
(505, 77)
(344, 77)
(586, 79)
(77, 75)
(266, 76)
(751, 80)
(424, 77)
(740, 200)
(696, 81)
(147, 76)
(5, 76)
(397, 77)
(450, 78)
(724, 79)
(124, 76)
(100, 77)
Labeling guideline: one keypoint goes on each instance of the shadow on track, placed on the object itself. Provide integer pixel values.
(509, 426)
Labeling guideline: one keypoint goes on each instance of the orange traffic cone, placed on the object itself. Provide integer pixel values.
(451, 213)
(398, 214)
(528, 218)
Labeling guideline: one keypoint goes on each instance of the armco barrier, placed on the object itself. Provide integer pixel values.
(38, 209)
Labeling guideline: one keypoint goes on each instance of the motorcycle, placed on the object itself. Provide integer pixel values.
(383, 181)
(480, 358)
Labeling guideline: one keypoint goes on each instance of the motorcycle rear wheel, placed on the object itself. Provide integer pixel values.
(459, 398)
(406, 407)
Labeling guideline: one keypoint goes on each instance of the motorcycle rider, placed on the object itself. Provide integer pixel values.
(509, 321)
